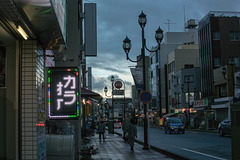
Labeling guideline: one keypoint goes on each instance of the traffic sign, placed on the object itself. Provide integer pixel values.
(118, 92)
(118, 84)
(145, 97)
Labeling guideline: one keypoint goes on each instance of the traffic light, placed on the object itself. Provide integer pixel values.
(106, 112)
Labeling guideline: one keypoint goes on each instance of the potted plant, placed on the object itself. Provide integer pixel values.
(86, 152)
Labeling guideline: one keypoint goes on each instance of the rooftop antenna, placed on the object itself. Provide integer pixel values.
(168, 23)
(184, 14)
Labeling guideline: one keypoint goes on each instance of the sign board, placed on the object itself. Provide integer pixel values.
(137, 77)
(63, 101)
(118, 92)
(200, 103)
(118, 84)
(145, 97)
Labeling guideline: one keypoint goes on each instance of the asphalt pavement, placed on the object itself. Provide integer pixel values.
(193, 145)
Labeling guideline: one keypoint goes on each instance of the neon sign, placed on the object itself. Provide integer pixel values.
(63, 101)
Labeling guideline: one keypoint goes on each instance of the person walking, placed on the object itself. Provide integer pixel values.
(101, 130)
(132, 133)
(125, 127)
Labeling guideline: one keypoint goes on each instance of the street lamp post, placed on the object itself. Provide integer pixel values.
(142, 20)
(106, 90)
(224, 71)
(182, 87)
(112, 80)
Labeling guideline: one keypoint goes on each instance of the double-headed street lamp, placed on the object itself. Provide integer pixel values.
(142, 20)
(106, 90)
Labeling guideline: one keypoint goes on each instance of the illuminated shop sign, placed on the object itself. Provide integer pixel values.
(63, 102)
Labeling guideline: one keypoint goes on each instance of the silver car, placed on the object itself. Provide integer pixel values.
(224, 127)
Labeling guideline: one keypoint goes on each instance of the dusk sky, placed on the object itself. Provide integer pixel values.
(118, 18)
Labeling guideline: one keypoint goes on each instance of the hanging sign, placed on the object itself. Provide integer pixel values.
(63, 93)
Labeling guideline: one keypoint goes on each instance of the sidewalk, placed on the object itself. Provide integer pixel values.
(114, 148)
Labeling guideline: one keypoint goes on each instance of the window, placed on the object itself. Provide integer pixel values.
(234, 36)
(223, 90)
(191, 97)
(171, 67)
(217, 62)
(179, 98)
(237, 62)
(151, 74)
(178, 80)
(216, 35)
(188, 66)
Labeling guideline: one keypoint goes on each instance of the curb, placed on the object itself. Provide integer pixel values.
(171, 155)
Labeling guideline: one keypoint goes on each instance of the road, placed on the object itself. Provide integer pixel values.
(194, 145)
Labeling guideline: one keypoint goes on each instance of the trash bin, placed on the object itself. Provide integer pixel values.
(235, 130)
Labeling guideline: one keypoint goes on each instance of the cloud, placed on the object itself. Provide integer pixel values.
(100, 82)
(118, 18)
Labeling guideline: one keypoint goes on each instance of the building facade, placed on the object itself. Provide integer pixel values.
(183, 70)
(158, 64)
(30, 33)
(219, 40)
(219, 45)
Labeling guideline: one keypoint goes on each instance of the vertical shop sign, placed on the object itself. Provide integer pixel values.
(63, 93)
(137, 77)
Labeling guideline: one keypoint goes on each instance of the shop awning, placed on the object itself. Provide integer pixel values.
(90, 94)
(221, 105)
(198, 108)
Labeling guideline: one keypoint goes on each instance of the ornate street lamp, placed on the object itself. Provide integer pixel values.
(224, 71)
(142, 20)
(106, 90)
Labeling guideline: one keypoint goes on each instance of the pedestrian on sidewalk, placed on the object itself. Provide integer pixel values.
(101, 130)
(125, 125)
(132, 133)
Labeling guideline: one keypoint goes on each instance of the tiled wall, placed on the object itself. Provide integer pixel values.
(32, 76)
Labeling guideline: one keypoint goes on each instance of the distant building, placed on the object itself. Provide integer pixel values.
(183, 76)
(219, 42)
(158, 67)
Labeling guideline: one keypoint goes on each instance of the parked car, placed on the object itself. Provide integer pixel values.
(173, 125)
(117, 124)
(224, 127)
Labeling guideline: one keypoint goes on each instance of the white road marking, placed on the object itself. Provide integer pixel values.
(203, 154)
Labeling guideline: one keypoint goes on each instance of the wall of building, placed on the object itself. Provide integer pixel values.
(9, 99)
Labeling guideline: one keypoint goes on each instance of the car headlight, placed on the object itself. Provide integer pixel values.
(172, 127)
